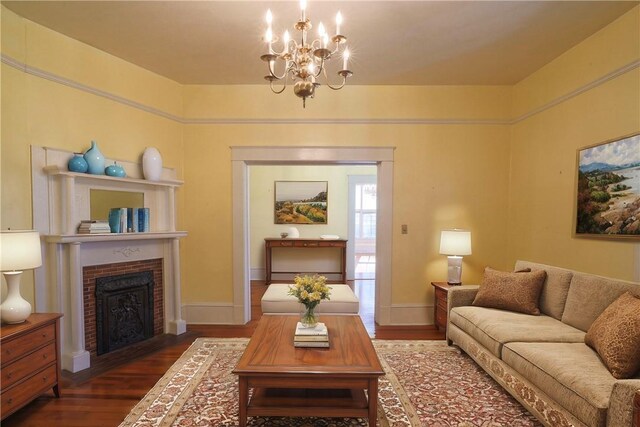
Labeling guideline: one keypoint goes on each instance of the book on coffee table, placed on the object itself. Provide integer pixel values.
(311, 344)
(319, 329)
(317, 336)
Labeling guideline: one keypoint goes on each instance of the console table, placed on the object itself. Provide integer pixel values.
(339, 244)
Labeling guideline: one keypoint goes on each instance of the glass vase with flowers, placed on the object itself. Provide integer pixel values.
(310, 291)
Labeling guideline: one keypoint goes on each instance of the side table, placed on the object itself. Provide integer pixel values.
(441, 294)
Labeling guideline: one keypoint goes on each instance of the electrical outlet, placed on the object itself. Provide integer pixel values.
(405, 229)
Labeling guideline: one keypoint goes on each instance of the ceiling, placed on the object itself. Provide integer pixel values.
(392, 42)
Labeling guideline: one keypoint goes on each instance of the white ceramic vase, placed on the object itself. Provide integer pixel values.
(14, 309)
(152, 164)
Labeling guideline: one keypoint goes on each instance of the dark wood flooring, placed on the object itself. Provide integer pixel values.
(103, 395)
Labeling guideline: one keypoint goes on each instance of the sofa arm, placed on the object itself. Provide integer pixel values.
(463, 295)
(623, 405)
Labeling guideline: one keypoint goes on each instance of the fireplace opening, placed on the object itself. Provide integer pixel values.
(124, 310)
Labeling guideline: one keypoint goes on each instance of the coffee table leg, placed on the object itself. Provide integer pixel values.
(373, 402)
(244, 399)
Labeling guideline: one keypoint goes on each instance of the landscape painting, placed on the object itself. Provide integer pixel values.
(300, 202)
(608, 193)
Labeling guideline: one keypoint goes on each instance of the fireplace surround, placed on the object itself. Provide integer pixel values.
(61, 199)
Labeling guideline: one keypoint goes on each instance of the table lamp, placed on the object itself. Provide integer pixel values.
(455, 243)
(19, 250)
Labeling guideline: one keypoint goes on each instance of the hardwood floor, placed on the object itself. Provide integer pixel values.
(104, 394)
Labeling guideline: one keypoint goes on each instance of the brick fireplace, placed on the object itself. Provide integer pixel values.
(90, 274)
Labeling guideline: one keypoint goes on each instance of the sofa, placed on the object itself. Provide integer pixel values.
(542, 360)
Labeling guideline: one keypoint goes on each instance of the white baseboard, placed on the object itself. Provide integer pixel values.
(411, 314)
(223, 314)
(208, 313)
(258, 274)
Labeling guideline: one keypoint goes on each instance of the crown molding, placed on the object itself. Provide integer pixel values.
(85, 88)
(5, 59)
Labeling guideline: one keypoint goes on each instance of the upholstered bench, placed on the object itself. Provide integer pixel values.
(276, 300)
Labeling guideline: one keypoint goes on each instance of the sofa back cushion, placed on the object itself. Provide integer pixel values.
(590, 295)
(554, 289)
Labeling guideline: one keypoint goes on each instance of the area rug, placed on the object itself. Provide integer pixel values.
(426, 383)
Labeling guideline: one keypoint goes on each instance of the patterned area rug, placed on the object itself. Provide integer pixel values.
(427, 383)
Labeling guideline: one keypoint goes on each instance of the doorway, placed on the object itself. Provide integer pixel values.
(243, 157)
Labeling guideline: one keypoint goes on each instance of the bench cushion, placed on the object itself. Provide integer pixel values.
(277, 300)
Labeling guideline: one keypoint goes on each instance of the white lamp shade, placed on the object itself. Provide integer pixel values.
(455, 242)
(19, 250)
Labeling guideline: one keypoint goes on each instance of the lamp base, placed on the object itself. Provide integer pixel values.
(454, 270)
(14, 309)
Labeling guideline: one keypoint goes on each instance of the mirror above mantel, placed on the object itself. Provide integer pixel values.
(101, 201)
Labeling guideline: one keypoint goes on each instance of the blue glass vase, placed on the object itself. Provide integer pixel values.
(94, 159)
(77, 163)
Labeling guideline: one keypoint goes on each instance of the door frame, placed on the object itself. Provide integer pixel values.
(242, 157)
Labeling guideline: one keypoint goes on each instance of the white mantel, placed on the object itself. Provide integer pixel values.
(60, 201)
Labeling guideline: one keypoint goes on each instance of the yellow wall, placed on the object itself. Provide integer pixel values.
(510, 184)
(445, 175)
(37, 111)
(544, 149)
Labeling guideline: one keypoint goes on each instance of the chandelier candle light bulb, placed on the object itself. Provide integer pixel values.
(304, 59)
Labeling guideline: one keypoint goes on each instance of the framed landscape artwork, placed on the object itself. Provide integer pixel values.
(608, 190)
(300, 202)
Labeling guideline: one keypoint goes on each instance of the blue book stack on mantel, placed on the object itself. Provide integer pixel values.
(129, 220)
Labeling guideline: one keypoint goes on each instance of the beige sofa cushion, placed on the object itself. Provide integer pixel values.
(615, 335)
(554, 289)
(493, 328)
(589, 295)
(570, 373)
(510, 291)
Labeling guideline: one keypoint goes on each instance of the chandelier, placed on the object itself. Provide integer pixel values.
(304, 61)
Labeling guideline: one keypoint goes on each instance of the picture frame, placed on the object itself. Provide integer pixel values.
(300, 202)
(608, 189)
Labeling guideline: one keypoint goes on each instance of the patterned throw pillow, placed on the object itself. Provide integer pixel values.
(615, 335)
(511, 291)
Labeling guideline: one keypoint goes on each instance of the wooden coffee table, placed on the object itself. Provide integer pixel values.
(299, 382)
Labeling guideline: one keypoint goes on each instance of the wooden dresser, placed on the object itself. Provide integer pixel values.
(29, 360)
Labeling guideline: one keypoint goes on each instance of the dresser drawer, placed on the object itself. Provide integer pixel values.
(441, 318)
(441, 295)
(18, 396)
(16, 348)
(22, 368)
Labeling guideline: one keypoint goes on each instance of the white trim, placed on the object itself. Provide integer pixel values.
(363, 121)
(12, 62)
(242, 157)
(580, 90)
(411, 314)
(258, 274)
(208, 313)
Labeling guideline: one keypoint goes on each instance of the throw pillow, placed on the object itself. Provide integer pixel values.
(511, 291)
(615, 335)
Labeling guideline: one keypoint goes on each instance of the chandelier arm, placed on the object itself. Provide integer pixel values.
(284, 86)
(321, 68)
(344, 81)
(272, 71)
